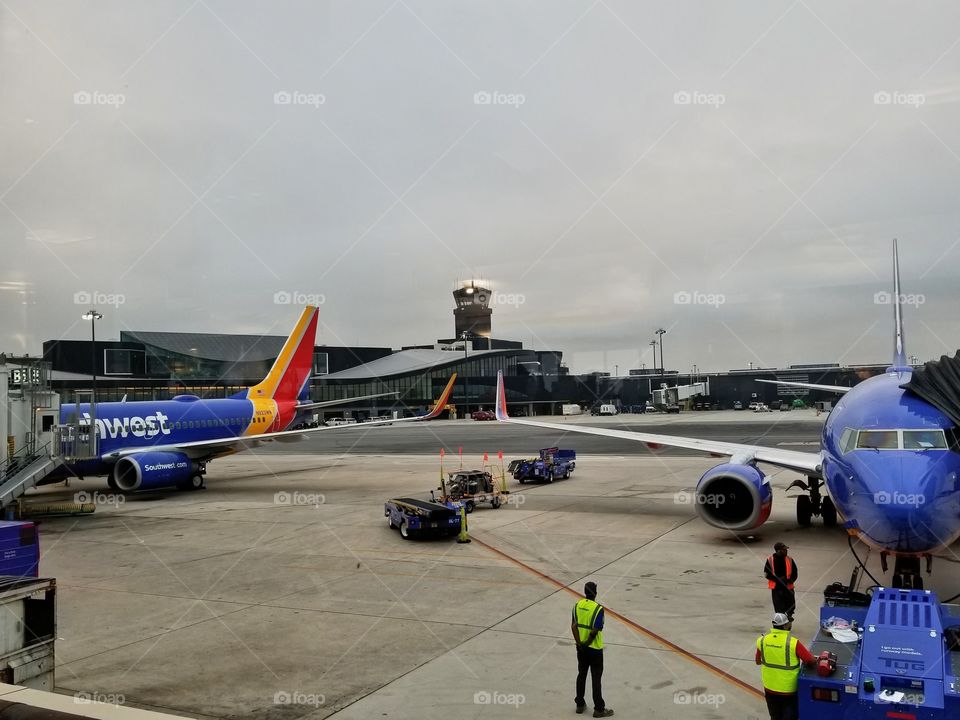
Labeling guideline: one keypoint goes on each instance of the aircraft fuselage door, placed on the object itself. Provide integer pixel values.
(46, 419)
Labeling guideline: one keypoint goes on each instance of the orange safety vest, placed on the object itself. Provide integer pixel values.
(772, 584)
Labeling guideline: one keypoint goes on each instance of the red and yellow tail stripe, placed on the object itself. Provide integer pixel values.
(441, 403)
(293, 365)
(275, 397)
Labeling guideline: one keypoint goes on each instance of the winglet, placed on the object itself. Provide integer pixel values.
(441, 403)
(899, 351)
(501, 407)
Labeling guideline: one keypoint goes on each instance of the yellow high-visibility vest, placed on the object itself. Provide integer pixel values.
(585, 615)
(779, 664)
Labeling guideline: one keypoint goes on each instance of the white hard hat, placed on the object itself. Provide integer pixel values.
(780, 619)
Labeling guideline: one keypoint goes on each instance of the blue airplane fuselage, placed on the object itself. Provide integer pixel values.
(897, 498)
(144, 425)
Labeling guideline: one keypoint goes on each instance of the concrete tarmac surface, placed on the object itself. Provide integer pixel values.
(280, 592)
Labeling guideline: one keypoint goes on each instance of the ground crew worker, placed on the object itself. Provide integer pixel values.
(781, 573)
(779, 654)
(587, 628)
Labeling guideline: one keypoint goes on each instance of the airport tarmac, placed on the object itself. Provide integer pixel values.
(280, 592)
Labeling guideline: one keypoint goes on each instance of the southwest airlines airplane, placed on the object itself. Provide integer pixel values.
(889, 458)
(167, 443)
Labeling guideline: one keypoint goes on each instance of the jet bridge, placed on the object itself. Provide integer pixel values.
(665, 396)
(34, 441)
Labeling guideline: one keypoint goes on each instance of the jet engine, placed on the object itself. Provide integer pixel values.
(151, 470)
(734, 497)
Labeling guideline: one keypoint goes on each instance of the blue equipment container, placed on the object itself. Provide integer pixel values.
(905, 664)
(19, 549)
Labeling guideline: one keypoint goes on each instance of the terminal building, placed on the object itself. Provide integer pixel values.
(143, 365)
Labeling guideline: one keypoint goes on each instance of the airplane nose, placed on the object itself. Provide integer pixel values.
(908, 501)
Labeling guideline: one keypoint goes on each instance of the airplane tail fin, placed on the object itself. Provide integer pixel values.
(899, 349)
(501, 407)
(442, 401)
(292, 369)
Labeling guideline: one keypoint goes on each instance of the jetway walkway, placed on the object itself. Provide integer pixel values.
(27, 468)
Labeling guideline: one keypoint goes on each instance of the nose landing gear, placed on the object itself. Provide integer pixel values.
(906, 571)
(814, 503)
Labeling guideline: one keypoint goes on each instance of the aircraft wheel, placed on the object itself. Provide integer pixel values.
(190, 483)
(469, 506)
(112, 483)
(404, 530)
(828, 511)
(495, 502)
(390, 522)
(897, 581)
(522, 481)
(804, 511)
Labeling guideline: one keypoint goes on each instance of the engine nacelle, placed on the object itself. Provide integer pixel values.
(734, 497)
(150, 470)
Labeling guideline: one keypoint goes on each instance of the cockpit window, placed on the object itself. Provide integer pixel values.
(848, 440)
(924, 440)
(896, 440)
(878, 440)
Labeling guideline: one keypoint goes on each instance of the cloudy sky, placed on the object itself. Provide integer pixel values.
(732, 172)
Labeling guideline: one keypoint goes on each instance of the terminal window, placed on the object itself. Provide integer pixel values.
(118, 362)
(321, 365)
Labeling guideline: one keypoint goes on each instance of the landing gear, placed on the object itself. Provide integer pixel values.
(906, 571)
(828, 511)
(814, 503)
(804, 511)
(194, 482)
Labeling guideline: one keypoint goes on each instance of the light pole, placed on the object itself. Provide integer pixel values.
(463, 336)
(92, 315)
(661, 332)
(653, 344)
(616, 370)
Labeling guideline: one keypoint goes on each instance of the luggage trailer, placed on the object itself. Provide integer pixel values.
(905, 664)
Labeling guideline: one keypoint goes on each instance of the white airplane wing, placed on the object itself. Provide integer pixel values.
(808, 463)
(810, 386)
(341, 401)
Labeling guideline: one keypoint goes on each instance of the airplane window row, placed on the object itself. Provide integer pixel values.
(190, 424)
(892, 440)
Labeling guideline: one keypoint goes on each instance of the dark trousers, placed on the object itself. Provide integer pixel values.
(589, 659)
(784, 600)
(782, 707)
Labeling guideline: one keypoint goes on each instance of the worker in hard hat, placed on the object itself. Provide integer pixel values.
(780, 654)
(587, 628)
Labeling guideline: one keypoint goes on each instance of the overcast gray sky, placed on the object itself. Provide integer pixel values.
(732, 172)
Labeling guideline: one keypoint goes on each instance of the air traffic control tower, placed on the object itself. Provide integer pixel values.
(472, 314)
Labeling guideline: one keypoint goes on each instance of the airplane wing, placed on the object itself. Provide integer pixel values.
(810, 386)
(341, 401)
(210, 449)
(807, 463)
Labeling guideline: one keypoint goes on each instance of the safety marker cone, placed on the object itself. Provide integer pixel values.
(463, 538)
